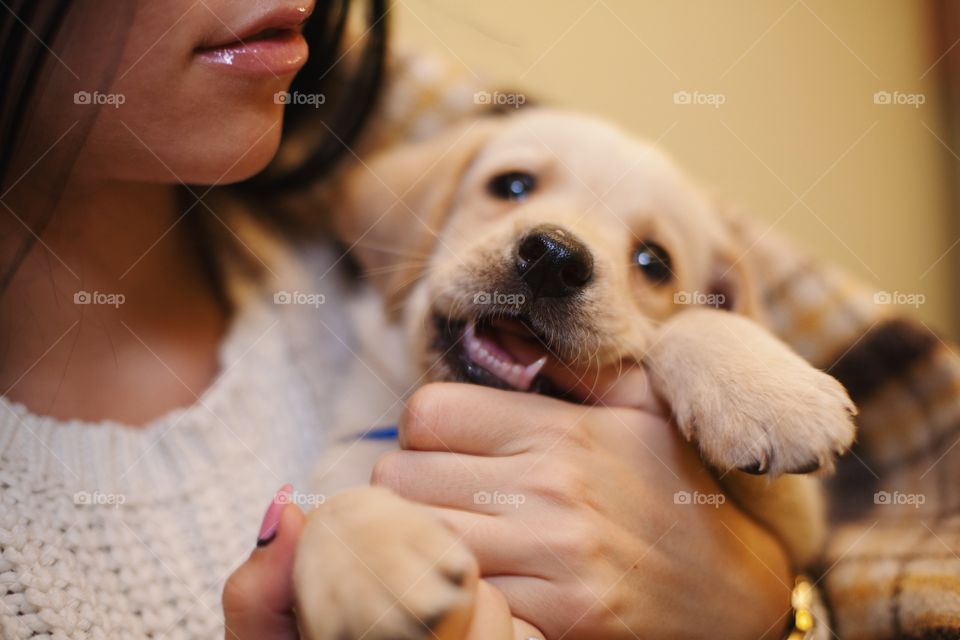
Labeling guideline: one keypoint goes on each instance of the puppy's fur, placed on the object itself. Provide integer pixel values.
(433, 227)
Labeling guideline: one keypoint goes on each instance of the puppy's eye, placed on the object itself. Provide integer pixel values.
(654, 261)
(512, 185)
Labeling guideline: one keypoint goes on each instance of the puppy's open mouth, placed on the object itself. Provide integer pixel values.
(497, 351)
(507, 349)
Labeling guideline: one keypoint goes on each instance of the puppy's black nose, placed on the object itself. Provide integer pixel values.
(553, 263)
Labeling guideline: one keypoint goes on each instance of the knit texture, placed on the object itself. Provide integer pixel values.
(113, 531)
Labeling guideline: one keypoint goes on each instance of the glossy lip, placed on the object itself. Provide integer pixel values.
(243, 50)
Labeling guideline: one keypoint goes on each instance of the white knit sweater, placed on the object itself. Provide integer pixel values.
(113, 531)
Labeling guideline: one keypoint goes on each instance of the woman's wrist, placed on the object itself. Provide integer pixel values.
(761, 575)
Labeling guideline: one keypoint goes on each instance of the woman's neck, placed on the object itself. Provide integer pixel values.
(113, 313)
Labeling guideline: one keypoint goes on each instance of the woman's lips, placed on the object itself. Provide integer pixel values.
(267, 44)
(284, 52)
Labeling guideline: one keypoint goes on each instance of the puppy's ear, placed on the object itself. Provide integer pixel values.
(731, 283)
(390, 208)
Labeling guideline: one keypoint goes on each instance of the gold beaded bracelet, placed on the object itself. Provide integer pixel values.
(801, 603)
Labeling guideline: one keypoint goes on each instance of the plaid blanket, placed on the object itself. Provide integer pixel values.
(891, 568)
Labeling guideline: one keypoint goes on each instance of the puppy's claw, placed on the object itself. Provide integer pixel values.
(456, 577)
(758, 468)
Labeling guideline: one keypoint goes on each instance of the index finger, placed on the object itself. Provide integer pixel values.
(625, 384)
(466, 418)
(630, 388)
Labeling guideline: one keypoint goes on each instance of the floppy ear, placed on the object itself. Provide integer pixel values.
(731, 282)
(732, 278)
(390, 208)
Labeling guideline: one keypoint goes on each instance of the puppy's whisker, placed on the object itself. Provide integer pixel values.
(394, 251)
(401, 286)
(454, 311)
(394, 268)
(596, 376)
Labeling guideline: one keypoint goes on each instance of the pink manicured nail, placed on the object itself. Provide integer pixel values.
(271, 519)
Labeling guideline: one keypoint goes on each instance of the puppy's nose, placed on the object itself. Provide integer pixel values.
(553, 262)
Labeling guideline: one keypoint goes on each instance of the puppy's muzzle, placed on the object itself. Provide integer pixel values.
(553, 263)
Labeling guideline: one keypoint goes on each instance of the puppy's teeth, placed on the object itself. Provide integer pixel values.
(530, 372)
(516, 375)
(514, 372)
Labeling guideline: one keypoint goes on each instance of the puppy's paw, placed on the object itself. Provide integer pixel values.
(748, 401)
(792, 424)
(372, 565)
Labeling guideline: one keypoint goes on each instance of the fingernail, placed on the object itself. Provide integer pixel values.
(271, 519)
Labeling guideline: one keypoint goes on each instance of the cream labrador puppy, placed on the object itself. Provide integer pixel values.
(521, 252)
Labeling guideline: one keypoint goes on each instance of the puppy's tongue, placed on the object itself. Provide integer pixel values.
(504, 351)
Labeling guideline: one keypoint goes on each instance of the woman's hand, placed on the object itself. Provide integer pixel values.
(594, 522)
(258, 596)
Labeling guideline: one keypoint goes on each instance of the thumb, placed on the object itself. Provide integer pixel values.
(258, 596)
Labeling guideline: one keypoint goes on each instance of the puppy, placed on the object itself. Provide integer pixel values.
(520, 252)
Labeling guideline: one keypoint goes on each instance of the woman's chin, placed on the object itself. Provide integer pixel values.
(238, 162)
(243, 171)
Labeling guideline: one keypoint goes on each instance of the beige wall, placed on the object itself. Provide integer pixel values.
(799, 119)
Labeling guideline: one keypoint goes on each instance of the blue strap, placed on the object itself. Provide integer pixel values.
(380, 433)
